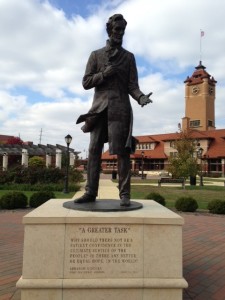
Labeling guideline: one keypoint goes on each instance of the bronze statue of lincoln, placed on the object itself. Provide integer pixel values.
(112, 71)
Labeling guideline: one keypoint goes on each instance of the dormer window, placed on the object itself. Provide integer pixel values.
(195, 123)
(210, 123)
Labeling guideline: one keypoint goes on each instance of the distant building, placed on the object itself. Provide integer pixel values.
(52, 154)
(153, 151)
(4, 138)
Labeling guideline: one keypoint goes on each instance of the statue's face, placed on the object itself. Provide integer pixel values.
(117, 33)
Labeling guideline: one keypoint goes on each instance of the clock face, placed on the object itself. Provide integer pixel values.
(195, 89)
(210, 90)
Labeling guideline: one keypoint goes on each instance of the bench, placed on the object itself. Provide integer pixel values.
(171, 180)
(140, 175)
(137, 174)
(144, 176)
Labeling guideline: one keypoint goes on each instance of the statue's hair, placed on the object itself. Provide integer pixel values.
(112, 20)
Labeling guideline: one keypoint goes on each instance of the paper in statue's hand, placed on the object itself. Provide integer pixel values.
(109, 71)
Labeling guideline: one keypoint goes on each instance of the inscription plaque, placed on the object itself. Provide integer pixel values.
(96, 251)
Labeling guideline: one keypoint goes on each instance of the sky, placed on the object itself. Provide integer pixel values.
(45, 45)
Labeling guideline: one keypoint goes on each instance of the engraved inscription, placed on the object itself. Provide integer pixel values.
(110, 250)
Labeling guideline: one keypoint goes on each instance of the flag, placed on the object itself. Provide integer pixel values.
(202, 33)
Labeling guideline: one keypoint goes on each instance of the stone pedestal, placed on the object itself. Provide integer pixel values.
(83, 255)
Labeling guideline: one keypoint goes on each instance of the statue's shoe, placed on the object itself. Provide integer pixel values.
(85, 199)
(125, 202)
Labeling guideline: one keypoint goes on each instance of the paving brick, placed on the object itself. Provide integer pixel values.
(203, 255)
(6, 297)
(220, 294)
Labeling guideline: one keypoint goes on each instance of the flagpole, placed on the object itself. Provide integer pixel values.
(201, 35)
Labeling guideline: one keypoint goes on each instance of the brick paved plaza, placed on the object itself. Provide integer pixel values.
(203, 247)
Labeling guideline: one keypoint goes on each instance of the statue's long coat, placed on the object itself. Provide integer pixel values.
(112, 93)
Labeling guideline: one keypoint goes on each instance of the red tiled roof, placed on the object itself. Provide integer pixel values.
(216, 145)
(198, 76)
(195, 134)
(146, 139)
(156, 137)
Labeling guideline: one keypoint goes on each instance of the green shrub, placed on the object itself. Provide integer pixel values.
(186, 204)
(13, 200)
(156, 197)
(217, 207)
(39, 198)
(36, 161)
(36, 174)
(76, 175)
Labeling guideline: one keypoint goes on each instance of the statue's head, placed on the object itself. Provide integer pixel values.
(115, 28)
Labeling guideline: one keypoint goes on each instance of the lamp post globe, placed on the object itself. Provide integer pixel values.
(68, 139)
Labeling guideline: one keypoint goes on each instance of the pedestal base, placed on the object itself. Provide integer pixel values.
(81, 255)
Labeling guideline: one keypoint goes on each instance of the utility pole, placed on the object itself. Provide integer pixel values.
(40, 137)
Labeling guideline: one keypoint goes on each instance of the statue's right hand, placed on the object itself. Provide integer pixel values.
(109, 71)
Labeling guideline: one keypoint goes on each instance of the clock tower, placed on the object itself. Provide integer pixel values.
(199, 100)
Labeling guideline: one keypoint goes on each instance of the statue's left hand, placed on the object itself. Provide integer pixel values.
(145, 99)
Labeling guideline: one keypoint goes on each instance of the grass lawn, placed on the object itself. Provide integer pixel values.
(201, 194)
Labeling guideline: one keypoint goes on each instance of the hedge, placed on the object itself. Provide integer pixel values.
(12, 200)
(39, 198)
(156, 197)
(217, 206)
(186, 204)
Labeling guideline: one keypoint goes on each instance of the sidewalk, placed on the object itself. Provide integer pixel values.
(203, 251)
(107, 190)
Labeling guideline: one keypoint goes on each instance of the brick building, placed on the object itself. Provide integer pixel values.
(153, 151)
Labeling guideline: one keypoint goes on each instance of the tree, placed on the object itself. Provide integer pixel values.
(14, 141)
(184, 164)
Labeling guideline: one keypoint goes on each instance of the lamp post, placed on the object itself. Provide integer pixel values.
(114, 172)
(68, 140)
(142, 164)
(199, 153)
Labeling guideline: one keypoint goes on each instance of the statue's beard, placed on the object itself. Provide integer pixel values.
(114, 41)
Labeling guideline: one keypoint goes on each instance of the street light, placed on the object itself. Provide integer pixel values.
(199, 153)
(68, 140)
(142, 164)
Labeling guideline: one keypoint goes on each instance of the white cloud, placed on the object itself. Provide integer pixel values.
(41, 48)
(165, 30)
(9, 105)
(44, 51)
(56, 119)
